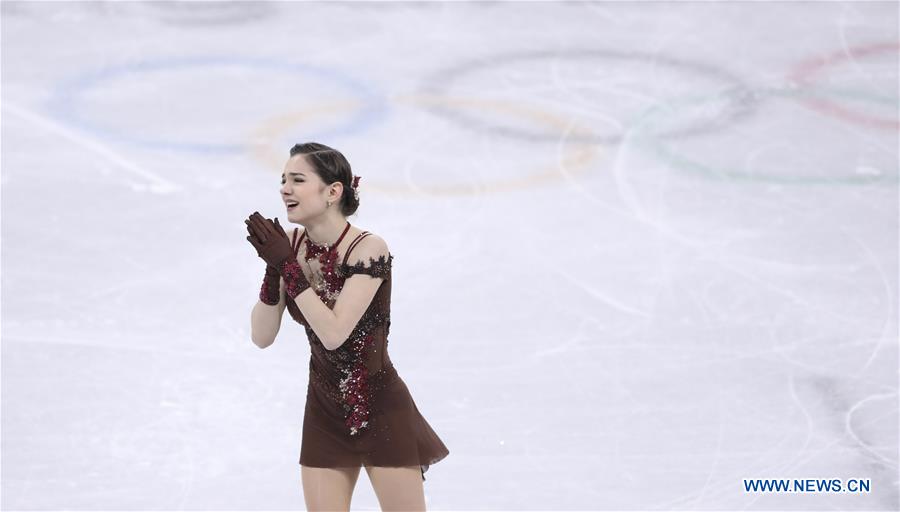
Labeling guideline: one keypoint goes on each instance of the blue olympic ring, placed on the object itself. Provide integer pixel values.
(64, 101)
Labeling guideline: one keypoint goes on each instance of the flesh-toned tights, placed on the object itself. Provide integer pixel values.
(331, 489)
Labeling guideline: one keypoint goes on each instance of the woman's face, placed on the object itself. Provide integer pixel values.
(301, 185)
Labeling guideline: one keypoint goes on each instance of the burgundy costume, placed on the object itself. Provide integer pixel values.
(358, 409)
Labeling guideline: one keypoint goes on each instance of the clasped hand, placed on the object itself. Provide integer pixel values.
(269, 240)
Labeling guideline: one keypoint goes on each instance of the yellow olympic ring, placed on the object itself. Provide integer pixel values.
(270, 130)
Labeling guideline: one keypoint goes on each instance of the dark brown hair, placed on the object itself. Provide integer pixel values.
(331, 166)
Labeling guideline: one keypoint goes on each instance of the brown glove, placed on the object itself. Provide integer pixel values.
(274, 247)
(271, 286)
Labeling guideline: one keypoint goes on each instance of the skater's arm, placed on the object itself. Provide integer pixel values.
(265, 320)
(333, 327)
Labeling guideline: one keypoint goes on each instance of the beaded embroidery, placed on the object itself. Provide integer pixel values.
(377, 381)
(355, 392)
(378, 268)
(294, 280)
(327, 257)
(331, 284)
(268, 293)
(357, 387)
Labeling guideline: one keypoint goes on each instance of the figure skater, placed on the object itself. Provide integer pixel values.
(335, 280)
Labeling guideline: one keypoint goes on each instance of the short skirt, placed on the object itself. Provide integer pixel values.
(397, 434)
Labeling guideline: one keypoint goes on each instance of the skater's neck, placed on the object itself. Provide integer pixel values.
(326, 231)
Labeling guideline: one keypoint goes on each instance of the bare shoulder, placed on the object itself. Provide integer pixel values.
(371, 256)
(371, 246)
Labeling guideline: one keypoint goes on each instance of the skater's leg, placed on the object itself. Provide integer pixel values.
(398, 489)
(328, 489)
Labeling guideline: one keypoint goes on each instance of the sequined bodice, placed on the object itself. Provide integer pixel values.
(351, 372)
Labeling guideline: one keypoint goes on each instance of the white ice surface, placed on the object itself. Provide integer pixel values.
(642, 250)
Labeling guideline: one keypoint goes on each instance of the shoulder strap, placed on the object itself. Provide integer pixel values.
(295, 243)
(354, 244)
